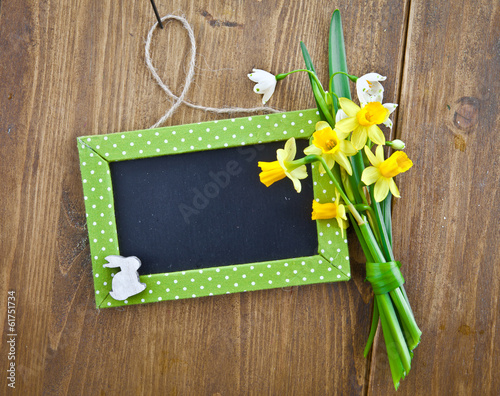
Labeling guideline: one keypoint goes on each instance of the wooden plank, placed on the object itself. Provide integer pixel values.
(447, 220)
(77, 68)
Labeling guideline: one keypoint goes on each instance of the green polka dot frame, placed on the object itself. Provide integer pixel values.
(331, 264)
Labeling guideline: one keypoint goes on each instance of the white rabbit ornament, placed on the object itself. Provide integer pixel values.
(126, 282)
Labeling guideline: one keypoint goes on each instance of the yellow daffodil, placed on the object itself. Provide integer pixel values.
(382, 172)
(363, 122)
(333, 210)
(283, 167)
(332, 146)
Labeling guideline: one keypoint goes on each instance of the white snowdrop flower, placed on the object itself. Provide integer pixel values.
(266, 83)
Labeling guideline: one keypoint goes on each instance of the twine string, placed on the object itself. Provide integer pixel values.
(178, 100)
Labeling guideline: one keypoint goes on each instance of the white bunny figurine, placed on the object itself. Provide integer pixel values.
(126, 282)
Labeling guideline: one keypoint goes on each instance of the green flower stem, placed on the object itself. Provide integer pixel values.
(373, 330)
(361, 240)
(314, 86)
(407, 318)
(387, 311)
(385, 242)
(362, 193)
(395, 362)
(330, 83)
(386, 215)
(320, 96)
(344, 176)
(370, 214)
(371, 242)
(364, 207)
(357, 170)
(336, 103)
(311, 73)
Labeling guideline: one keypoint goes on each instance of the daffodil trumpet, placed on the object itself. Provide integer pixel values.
(284, 166)
(336, 183)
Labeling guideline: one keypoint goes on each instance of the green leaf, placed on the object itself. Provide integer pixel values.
(386, 214)
(385, 241)
(310, 66)
(398, 371)
(317, 91)
(373, 329)
(337, 58)
(337, 62)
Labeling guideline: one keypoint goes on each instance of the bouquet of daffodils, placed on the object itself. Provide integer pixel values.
(349, 147)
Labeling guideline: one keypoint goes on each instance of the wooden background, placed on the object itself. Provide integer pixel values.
(71, 68)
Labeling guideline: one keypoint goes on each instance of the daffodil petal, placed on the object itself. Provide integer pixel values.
(341, 212)
(341, 135)
(379, 153)
(347, 148)
(381, 189)
(370, 175)
(349, 107)
(297, 185)
(312, 150)
(322, 125)
(330, 160)
(394, 188)
(371, 157)
(343, 161)
(341, 225)
(358, 138)
(290, 149)
(340, 115)
(347, 125)
(300, 172)
(376, 135)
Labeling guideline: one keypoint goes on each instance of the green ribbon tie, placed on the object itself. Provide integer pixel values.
(384, 277)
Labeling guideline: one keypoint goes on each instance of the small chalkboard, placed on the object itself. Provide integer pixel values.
(209, 209)
(188, 203)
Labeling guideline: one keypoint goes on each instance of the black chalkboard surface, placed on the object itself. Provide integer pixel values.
(209, 209)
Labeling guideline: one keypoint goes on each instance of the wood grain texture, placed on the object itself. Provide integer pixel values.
(77, 68)
(448, 218)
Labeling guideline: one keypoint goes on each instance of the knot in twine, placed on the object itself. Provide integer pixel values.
(384, 277)
(178, 100)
